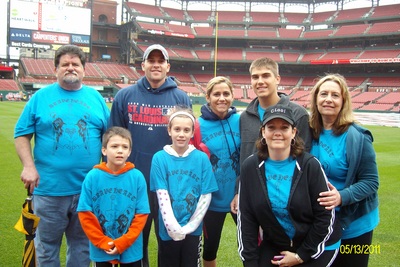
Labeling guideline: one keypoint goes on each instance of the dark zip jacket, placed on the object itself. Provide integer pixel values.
(250, 124)
(315, 227)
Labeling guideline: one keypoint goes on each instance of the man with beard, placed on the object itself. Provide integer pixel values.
(68, 120)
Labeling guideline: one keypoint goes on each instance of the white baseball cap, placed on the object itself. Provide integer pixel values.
(155, 47)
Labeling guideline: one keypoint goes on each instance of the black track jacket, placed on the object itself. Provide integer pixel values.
(315, 226)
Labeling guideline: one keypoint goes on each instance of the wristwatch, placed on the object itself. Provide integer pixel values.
(298, 258)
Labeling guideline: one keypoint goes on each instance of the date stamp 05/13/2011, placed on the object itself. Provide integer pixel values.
(360, 249)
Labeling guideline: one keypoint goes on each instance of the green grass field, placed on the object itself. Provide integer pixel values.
(387, 234)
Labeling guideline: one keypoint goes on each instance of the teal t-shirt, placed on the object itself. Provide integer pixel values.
(279, 175)
(222, 137)
(185, 179)
(115, 199)
(67, 127)
(261, 112)
(331, 152)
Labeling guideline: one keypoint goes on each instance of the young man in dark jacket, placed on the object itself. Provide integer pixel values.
(142, 108)
(265, 79)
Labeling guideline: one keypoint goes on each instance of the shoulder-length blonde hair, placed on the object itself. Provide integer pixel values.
(345, 116)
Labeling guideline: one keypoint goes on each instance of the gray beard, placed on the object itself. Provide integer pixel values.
(71, 79)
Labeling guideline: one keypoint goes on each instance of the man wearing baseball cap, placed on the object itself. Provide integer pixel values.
(141, 108)
(155, 47)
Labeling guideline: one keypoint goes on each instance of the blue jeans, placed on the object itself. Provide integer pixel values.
(58, 216)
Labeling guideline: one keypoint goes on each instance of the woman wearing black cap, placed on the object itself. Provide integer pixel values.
(278, 193)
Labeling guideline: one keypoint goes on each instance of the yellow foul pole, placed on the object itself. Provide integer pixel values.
(216, 45)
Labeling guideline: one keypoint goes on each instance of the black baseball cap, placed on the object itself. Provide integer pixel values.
(278, 112)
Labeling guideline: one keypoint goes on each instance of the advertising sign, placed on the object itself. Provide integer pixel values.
(80, 39)
(56, 18)
(49, 22)
(355, 61)
(24, 15)
(50, 37)
(31, 45)
(20, 35)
